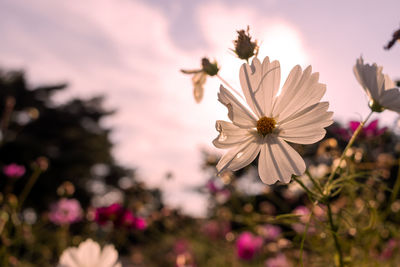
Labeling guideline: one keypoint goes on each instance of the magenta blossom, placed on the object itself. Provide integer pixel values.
(119, 217)
(369, 131)
(278, 261)
(65, 211)
(14, 170)
(247, 245)
(140, 223)
(110, 213)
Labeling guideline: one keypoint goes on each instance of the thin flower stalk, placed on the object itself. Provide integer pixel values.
(28, 187)
(334, 230)
(349, 145)
(303, 238)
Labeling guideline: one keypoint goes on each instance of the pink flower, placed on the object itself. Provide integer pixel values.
(272, 232)
(14, 170)
(110, 213)
(65, 211)
(278, 261)
(389, 249)
(369, 131)
(303, 213)
(247, 245)
(216, 229)
(140, 223)
(120, 217)
(212, 187)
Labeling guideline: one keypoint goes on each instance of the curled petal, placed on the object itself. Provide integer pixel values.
(240, 156)
(237, 113)
(230, 135)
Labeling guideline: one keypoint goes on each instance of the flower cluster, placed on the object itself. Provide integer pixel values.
(119, 217)
(65, 211)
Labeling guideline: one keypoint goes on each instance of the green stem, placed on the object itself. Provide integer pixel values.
(309, 192)
(303, 238)
(394, 194)
(229, 86)
(396, 187)
(315, 183)
(334, 230)
(351, 142)
(28, 187)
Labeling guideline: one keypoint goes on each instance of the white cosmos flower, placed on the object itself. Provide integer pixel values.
(295, 115)
(380, 89)
(89, 254)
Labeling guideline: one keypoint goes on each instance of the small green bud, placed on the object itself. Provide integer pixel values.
(210, 68)
(244, 47)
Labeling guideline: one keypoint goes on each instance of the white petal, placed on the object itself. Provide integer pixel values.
(230, 135)
(238, 113)
(68, 258)
(240, 156)
(109, 257)
(298, 93)
(260, 84)
(367, 77)
(278, 161)
(389, 84)
(88, 253)
(390, 99)
(199, 80)
(307, 126)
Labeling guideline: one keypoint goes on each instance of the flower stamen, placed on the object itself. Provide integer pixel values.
(265, 125)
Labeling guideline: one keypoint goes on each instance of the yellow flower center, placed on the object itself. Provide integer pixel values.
(265, 125)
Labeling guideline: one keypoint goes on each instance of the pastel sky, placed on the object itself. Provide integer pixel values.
(132, 50)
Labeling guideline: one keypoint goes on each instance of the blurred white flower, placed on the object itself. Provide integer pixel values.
(199, 79)
(294, 115)
(380, 89)
(89, 254)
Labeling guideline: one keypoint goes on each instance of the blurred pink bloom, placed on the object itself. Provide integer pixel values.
(181, 246)
(110, 213)
(14, 170)
(371, 130)
(212, 187)
(389, 249)
(247, 245)
(272, 232)
(303, 212)
(65, 211)
(216, 229)
(278, 261)
(140, 223)
(223, 196)
(120, 217)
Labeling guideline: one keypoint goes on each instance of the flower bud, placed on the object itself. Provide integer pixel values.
(208, 67)
(244, 47)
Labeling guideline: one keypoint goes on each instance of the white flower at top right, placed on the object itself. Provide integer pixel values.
(380, 89)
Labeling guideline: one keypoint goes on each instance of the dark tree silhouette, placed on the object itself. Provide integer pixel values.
(69, 135)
